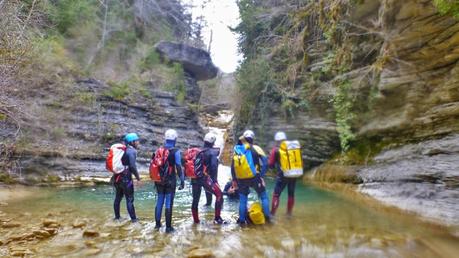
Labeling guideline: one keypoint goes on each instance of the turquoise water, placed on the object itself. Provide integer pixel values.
(323, 225)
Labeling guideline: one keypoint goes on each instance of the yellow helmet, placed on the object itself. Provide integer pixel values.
(256, 214)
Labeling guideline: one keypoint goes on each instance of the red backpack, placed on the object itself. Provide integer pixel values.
(190, 157)
(159, 165)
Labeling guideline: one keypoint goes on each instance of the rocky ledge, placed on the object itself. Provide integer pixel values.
(421, 178)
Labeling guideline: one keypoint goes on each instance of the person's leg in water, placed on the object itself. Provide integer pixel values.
(278, 188)
(129, 193)
(118, 197)
(291, 195)
(263, 195)
(168, 212)
(214, 188)
(243, 198)
(196, 193)
(159, 205)
(208, 199)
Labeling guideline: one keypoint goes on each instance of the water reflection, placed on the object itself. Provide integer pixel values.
(323, 225)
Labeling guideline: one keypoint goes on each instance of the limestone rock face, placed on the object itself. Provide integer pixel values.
(195, 61)
(88, 130)
(417, 93)
(422, 177)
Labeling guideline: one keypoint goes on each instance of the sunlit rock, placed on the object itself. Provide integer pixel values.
(78, 224)
(10, 225)
(50, 223)
(200, 253)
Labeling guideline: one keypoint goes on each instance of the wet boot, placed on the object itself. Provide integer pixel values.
(290, 203)
(195, 216)
(169, 227)
(274, 204)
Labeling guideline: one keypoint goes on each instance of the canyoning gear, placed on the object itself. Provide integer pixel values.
(159, 165)
(113, 161)
(170, 134)
(256, 215)
(207, 162)
(129, 161)
(291, 161)
(210, 186)
(124, 187)
(200, 168)
(246, 176)
(166, 186)
(244, 186)
(190, 157)
(130, 137)
(249, 134)
(244, 166)
(280, 136)
(281, 182)
(210, 138)
(263, 160)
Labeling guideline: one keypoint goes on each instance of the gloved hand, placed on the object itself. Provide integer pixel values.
(182, 185)
(234, 184)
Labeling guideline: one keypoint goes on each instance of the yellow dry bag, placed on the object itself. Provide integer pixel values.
(290, 159)
(256, 214)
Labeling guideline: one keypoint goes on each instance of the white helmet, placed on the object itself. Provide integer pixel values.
(249, 134)
(280, 136)
(210, 138)
(170, 134)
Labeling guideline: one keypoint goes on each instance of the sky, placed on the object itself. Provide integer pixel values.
(219, 14)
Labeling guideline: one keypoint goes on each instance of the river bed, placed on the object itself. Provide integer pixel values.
(323, 225)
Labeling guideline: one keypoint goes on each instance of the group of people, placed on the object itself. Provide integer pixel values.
(248, 169)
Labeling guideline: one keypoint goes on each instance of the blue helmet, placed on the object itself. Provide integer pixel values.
(130, 137)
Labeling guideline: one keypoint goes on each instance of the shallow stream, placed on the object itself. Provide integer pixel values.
(323, 225)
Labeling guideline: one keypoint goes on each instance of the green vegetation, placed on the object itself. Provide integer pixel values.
(450, 7)
(343, 104)
(118, 91)
(150, 60)
(7, 178)
(175, 81)
(291, 53)
(65, 14)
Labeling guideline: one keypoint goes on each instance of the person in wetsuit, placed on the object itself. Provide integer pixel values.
(250, 174)
(206, 168)
(281, 180)
(166, 188)
(123, 183)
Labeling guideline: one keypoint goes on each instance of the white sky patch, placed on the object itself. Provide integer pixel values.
(219, 15)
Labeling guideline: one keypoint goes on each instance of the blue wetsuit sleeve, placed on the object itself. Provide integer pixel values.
(178, 165)
(132, 155)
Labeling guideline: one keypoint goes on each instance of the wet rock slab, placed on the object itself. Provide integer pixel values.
(423, 178)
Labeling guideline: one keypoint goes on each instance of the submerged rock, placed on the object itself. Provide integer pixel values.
(10, 225)
(200, 253)
(91, 233)
(50, 223)
(78, 224)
